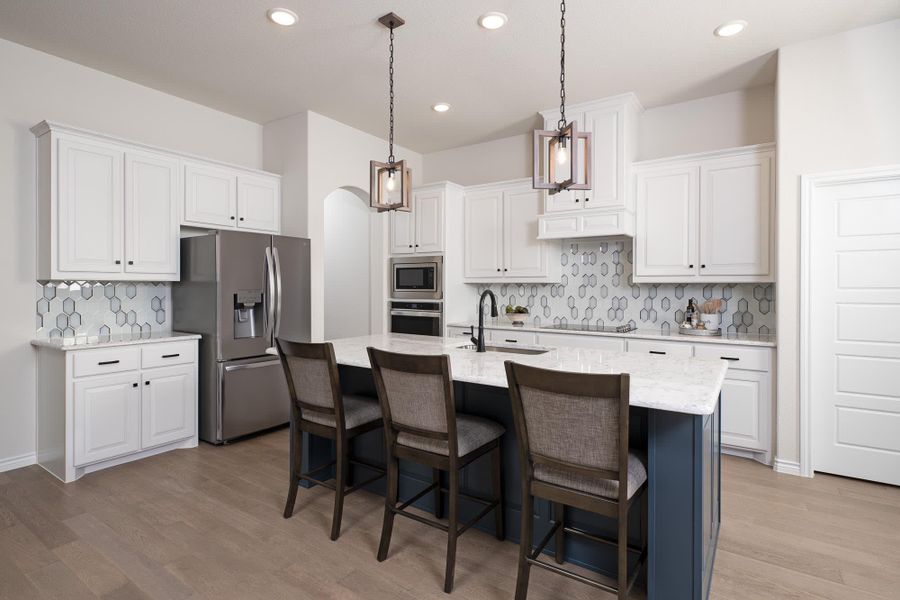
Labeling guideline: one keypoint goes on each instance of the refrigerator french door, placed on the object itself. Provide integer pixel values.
(239, 291)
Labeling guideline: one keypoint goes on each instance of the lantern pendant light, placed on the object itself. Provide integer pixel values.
(562, 156)
(390, 183)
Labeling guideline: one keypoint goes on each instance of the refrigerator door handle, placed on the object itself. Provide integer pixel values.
(277, 292)
(270, 293)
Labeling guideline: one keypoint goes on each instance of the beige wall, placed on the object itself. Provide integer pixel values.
(838, 108)
(38, 86)
(727, 120)
(497, 160)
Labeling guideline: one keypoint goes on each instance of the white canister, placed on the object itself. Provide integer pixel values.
(711, 321)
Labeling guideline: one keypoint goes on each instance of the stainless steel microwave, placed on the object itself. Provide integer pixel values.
(417, 277)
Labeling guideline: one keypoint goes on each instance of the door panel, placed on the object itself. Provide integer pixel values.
(151, 217)
(210, 196)
(429, 222)
(666, 237)
(483, 244)
(735, 213)
(90, 206)
(259, 203)
(293, 266)
(107, 415)
(606, 129)
(254, 396)
(242, 268)
(168, 405)
(853, 341)
(523, 254)
(402, 232)
(745, 402)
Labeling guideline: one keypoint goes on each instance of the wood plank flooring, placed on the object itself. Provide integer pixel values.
(206, 523)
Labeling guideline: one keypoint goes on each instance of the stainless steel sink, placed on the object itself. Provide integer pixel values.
(506, 349)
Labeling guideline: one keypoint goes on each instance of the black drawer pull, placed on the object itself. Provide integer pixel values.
(171, 355)
(133, 385)
(730, 358)
(657, 352)
(512, 341)
(108, 362)
(146, 383)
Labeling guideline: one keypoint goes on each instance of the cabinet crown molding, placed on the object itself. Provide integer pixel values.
(706, 155)
(610, 101)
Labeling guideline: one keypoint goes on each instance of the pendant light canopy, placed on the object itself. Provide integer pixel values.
(562, 156)
(390, 183)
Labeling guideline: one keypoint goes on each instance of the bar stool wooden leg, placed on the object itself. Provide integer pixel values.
(438, 495)
(623, 551)
(559, 515)
(390, 502)
(296, 467)
(497, 483)
(527, 538)
(453, 529)
(340, 485)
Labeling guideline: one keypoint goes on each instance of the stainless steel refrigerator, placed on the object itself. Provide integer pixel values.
(239, 291)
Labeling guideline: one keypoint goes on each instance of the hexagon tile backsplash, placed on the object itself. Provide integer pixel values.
(597, 289)
(90, 308)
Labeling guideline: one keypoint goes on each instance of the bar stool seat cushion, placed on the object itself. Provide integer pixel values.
(607, 488)
(358, 410)
(471, 433)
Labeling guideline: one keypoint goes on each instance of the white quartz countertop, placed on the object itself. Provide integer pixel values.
(685, 385)
(106, 341)
(741, 339)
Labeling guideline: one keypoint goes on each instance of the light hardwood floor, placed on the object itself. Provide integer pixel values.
(207, 523)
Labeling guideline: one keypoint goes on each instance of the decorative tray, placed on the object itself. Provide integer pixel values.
(700, 332)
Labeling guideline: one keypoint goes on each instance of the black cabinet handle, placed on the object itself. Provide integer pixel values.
(410, 245)
(735, 359)
(690, 266)
(657, 352)
(108, 362)
(130, 262)
(506, 269)
(118, 262)
(576, 200)
(232, 218)
(146, 383)
(498, 270)
(702, 266)
(133, 385)
(587, 199)
(512, 341)
(171, 355)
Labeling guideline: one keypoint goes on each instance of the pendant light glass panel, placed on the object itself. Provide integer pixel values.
(560, 164)
(390, 186)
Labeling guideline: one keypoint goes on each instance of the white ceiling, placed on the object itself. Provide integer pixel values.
(226, 54)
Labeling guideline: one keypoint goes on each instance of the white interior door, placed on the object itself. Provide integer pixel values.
(151, 217)
(853, 327)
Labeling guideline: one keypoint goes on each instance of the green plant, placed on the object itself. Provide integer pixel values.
(519, 310)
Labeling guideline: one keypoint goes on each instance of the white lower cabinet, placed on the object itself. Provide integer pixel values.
(98, 407)
(594, 342)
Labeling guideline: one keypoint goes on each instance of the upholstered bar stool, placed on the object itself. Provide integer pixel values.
(572, 430)
(320, 408)
(421, 425)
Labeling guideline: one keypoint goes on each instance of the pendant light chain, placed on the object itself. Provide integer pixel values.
(562, 66)
(391, 82)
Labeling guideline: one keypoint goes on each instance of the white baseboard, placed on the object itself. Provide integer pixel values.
(788, 467)
(17, 462)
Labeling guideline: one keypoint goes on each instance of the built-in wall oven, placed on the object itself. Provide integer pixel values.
(420, 318)
(417, 278)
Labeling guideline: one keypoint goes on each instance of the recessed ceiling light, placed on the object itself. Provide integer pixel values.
(282, 16)
(492, 20)
(730, 28)
(441, 107)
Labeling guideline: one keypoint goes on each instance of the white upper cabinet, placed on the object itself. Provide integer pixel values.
(420, 231)
(607, 208)
(89, 207)
(501, 235)
(151, 213)
(210, 195)
(258, 203)
(704, 217)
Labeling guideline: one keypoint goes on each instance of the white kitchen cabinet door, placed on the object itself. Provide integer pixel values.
(168, 404)
(594, 342)
(605, 126)
(735, 213)
(483, 241)
(107, 416)
(259, 203)
(403, 232)
(90, 190)
(151, 214)
(524, 255)
(665, 241)
(745, 409)
(210, 196)
(428, 214)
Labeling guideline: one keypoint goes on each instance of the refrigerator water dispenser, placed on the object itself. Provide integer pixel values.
(248, 314)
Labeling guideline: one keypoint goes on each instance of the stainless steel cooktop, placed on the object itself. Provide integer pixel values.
(598, 328)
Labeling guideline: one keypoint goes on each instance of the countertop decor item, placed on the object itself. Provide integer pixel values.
(562, 156)
(390, 183)
(699, 331)
(517, 314)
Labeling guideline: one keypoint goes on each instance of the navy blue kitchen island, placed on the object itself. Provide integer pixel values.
(678, 431)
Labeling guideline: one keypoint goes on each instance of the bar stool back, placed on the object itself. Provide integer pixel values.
(320, 408)
(421, 425)
(572, 430)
